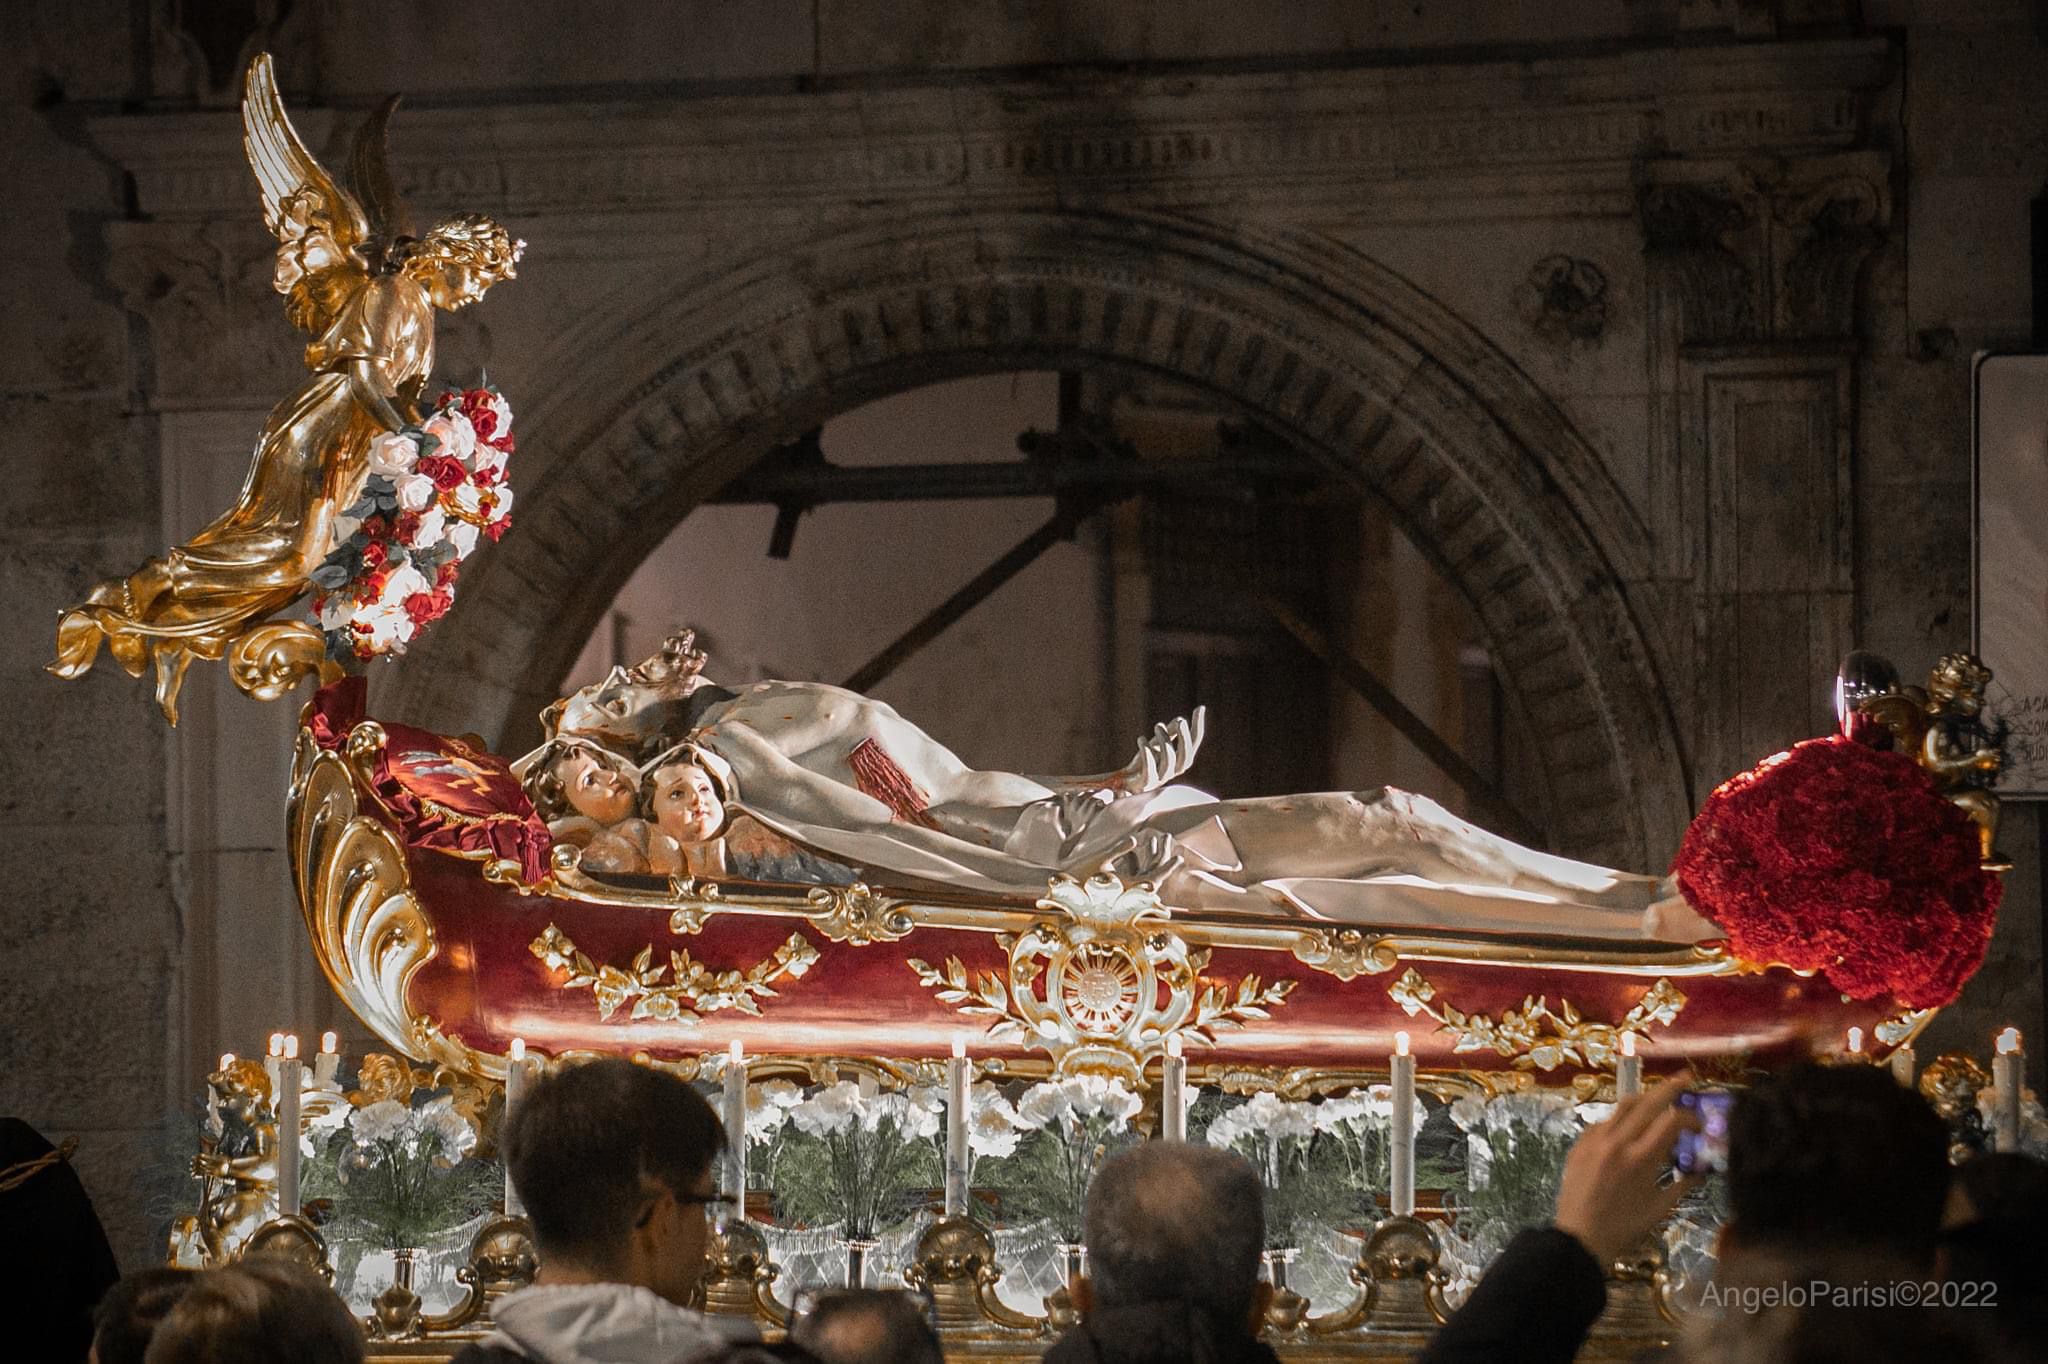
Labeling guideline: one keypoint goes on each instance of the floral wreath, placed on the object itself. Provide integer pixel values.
(432, 492)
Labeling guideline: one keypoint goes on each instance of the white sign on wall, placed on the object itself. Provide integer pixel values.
(2009, 561)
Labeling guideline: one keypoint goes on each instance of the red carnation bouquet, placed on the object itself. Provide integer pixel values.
(1838, 858)
(431, 492)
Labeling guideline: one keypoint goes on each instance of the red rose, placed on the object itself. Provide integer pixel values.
(375, 556)
(408, 526)
(376, 527)
(446, 471)
(423, 607)
(445, 575)
(496, 529)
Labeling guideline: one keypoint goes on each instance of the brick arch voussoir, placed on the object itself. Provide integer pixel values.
(718, 386)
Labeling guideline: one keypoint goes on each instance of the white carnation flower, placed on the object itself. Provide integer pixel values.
(447, 1133)
(830, 1110)
(385, 1120)
(993, 1128)
(1044, 1104)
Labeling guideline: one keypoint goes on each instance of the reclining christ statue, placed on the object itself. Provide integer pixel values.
(654, 767)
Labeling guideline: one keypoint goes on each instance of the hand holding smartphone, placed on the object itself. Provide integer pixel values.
(1705, 1150)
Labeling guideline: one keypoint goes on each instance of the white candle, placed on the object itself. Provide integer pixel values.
(1628, 1069)
(956, 1129)
(1173, 1098)
(328, 1063)
(517, 1076)
(1401, 1141)
(1902, 1065)
(2007, 1068)
(735, 1184)
(291, 1074)
(1855, 1041)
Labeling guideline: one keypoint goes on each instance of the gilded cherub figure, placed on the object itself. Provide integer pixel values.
(238, 1164)
(1942, 728)
(354, 277)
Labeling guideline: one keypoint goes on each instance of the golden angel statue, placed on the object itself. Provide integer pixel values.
(354, 277)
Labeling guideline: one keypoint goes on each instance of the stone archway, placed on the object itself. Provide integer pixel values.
(654, 410)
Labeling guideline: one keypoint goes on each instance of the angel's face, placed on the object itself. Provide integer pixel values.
(686, 803)
(595, 789)
(457, 284)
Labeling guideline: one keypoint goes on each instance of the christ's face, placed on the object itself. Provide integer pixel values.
(686, 803)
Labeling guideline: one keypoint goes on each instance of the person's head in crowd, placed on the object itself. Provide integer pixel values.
(132, 1310)
(1826, 1161)
(256, 1311)
(1990, 1243)
(868, 1326)
(613, 1162)
(1174, 1224)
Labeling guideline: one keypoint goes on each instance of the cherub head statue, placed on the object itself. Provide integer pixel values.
(629, 708)
(1956, 686)
(685, 794)
(241, 1088)
(459, 259)
(567, 777)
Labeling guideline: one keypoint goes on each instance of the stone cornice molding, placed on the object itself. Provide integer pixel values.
(1155, 140)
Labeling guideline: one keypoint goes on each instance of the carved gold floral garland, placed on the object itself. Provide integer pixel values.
(1535, 1035)
(641, 985)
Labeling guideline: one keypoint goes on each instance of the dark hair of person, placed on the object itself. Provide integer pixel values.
(1995, 1257)
(587, 1140)
(259, 1310)
(868, 1326)
(132, 1310)
(1823, 1158)
(1168, 1221)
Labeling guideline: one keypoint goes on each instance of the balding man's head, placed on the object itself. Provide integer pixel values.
(1172, 1222)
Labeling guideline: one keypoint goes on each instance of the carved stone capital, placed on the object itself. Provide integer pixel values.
(1764, 251)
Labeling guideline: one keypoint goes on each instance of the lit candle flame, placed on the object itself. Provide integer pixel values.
(329, 1043)
(959, 1047)
(291, 1047)
(1628, 1044)
(277, 1044)
(518, 1049)
(227, 1058)
(1173, 1046)
(1855, 1040)
(1400, 1044)
(2008, 1041)
(735, 1054)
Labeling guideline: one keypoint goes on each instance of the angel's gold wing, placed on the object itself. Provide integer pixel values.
(321, 230)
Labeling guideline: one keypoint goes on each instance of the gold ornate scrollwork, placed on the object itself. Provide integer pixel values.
(1904, 1027)
(1101, 987)
(642, 985)
(861, 916)
(368, 930)
(270, 659)
(1344, 953)
(1535, 1035)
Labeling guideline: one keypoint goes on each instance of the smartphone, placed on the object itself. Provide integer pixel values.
(1704, 1151)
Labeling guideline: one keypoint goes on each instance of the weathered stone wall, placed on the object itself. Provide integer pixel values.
(1658, 324)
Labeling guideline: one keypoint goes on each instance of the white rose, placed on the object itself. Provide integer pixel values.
(415, 492)
(433, 525)
(404, 582)
(452, 429)
(385, 1120)
(336, 613)
(503, 495)
(463, 536)
(489, 459)
(392, 454)
(390, 627)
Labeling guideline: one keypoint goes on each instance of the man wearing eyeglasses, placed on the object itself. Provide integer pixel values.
(613, 1162)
